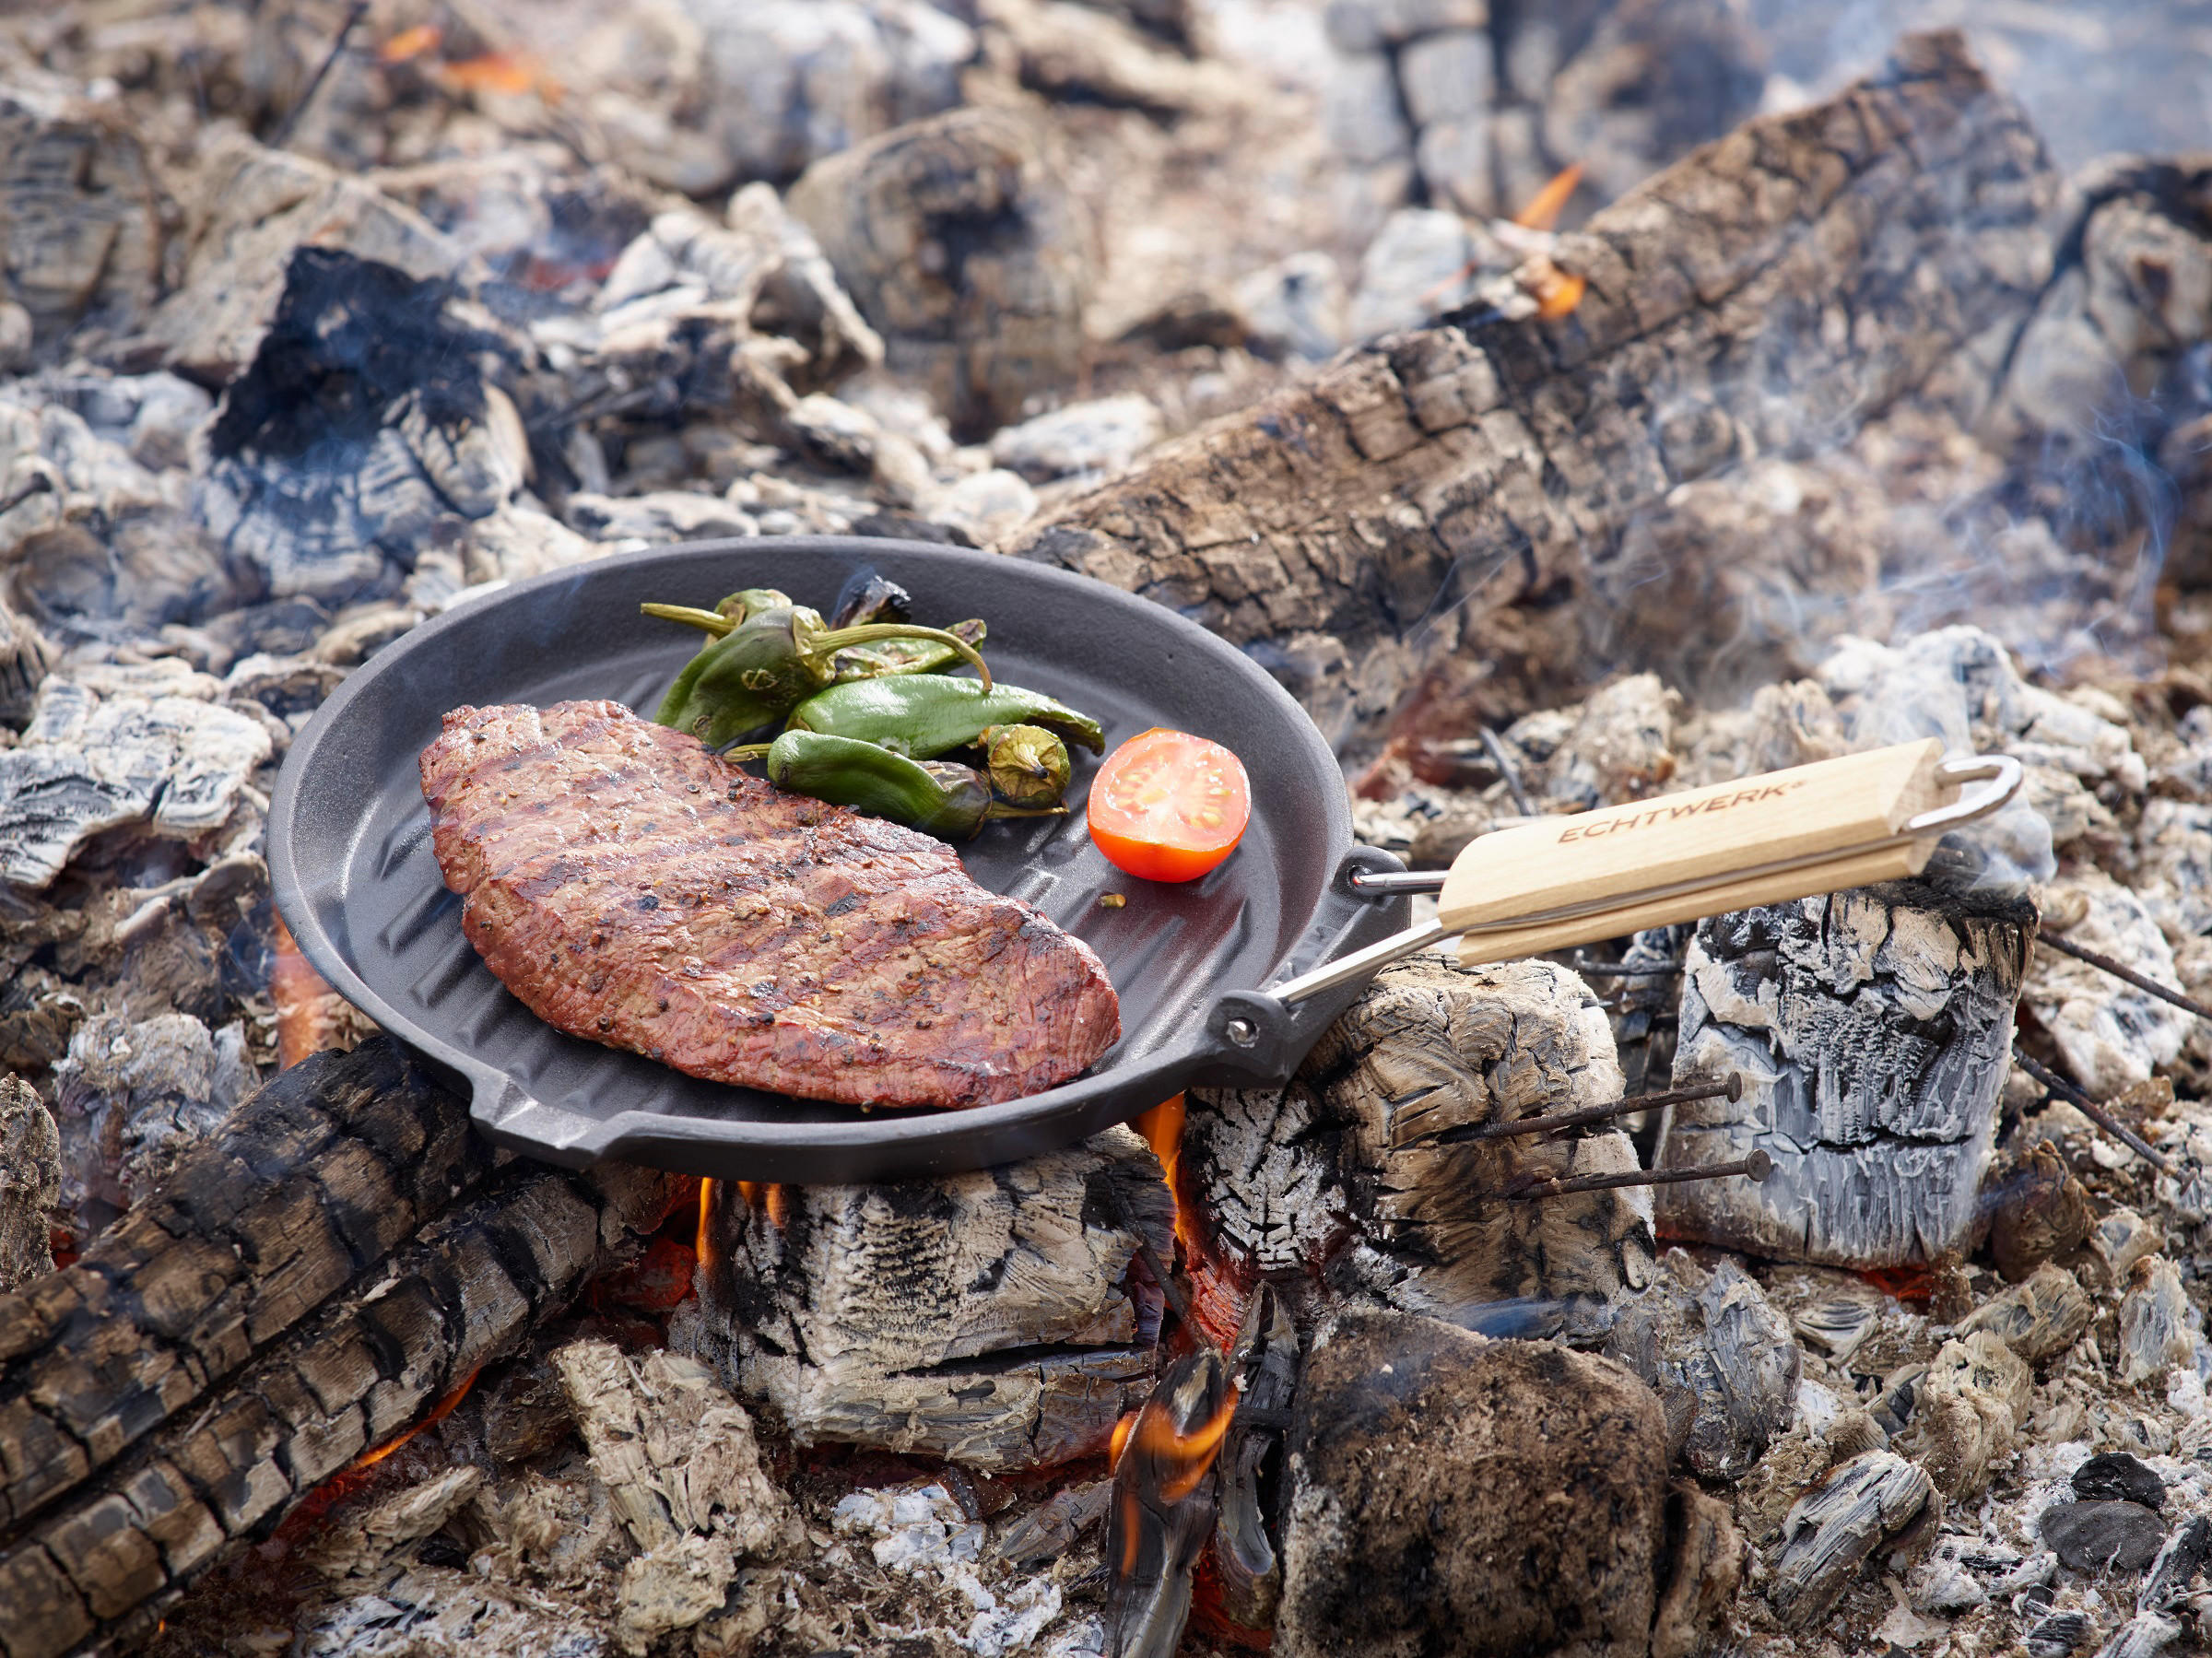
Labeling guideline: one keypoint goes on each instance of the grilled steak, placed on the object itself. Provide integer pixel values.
(631, 887)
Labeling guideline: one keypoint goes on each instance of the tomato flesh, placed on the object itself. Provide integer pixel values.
(1169, 806)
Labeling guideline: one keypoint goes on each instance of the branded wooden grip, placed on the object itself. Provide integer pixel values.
(1563, 881)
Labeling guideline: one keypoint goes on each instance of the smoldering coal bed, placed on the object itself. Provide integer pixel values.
(1884, 414)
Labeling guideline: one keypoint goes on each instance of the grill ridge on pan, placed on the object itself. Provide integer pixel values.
(355, 879)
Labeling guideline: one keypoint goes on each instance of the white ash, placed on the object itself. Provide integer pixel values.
(1080, 439)
(1871, 1029)
(1720, 1358)
(132, 1096)
(992, 1318)
(89, 761)
(2111, 1034)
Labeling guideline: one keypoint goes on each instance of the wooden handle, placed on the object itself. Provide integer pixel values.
(1599, 874)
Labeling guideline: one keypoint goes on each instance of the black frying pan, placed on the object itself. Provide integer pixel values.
(353, 878)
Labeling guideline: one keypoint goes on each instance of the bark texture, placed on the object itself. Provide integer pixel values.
(1787, 282)
(98, 1566)
(320, 1176)
(1344, 1172)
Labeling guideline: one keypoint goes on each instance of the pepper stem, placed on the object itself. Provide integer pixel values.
(744, 751)
(997, 810)
(713, 621)
(869, 631)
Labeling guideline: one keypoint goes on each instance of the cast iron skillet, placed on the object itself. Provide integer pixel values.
(354, 876)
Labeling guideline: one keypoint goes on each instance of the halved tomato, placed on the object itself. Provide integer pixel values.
(1168, 806)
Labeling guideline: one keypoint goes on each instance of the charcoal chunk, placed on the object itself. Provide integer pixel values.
(2057, 1635)
(2103, 1536)
(2117, 1477)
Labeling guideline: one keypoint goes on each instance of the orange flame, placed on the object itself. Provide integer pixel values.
(411, 44)
(306, 1005)
(439, 1412)
(765, 1198)
(1190, 1454)
(509, 72)
(1545, 208)
(1120, 1437)
(1557, 292)
(706, 1208)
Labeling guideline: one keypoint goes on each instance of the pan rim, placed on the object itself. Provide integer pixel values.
(909, 1136)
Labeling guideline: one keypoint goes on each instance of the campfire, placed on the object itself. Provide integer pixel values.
(1582, 412)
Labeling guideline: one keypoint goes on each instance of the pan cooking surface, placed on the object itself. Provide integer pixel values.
(356, 881)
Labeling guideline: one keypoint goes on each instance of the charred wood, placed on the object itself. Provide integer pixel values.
(959, 242)
(1873, 1030)
(1357, 1171)
(1329, 530)
(101, 1563)
(993, 1318)
(30, 1183)
(311, 1184)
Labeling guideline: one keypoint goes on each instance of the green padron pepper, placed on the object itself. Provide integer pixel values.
(938, 797)
(771, 659)
(1026, 764)
(925, 714)
(906, 655)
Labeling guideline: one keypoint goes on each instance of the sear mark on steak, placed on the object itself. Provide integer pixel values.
(631, 887)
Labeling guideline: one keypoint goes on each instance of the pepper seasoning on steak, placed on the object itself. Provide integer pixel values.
(631, 887)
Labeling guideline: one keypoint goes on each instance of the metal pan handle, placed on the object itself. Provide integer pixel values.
(1256, 1037)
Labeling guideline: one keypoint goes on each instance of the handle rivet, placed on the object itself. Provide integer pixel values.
(1242, 1032)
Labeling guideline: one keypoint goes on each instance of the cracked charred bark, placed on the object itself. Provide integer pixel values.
(1465, 485)
(172, 1395)
(991, 1318)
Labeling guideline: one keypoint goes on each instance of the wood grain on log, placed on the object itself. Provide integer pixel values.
(991, 1318)
(1791, 279)
(80, 219)
(315, 1180)
(410, 1330)
(1343, 1170)
(1872, 1029)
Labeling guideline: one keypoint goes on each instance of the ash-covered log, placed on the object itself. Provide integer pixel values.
(1352, 1171)
(1873, 1031)
(999, 1318)
(1805, 273)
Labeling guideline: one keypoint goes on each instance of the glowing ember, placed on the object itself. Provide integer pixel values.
(438, 1413)
(1544, 207)
(509, 72)
(411, 44)
(303, 1000)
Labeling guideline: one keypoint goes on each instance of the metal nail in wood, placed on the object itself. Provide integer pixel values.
(1757, 1166)
(2089, 1108)
(1732, 1089)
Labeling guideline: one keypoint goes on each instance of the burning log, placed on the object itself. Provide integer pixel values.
(1357, 1171)
(1329, 529)
(170, 1396)
(1161, 1515)
(1874, 1029)
(992, 1319)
